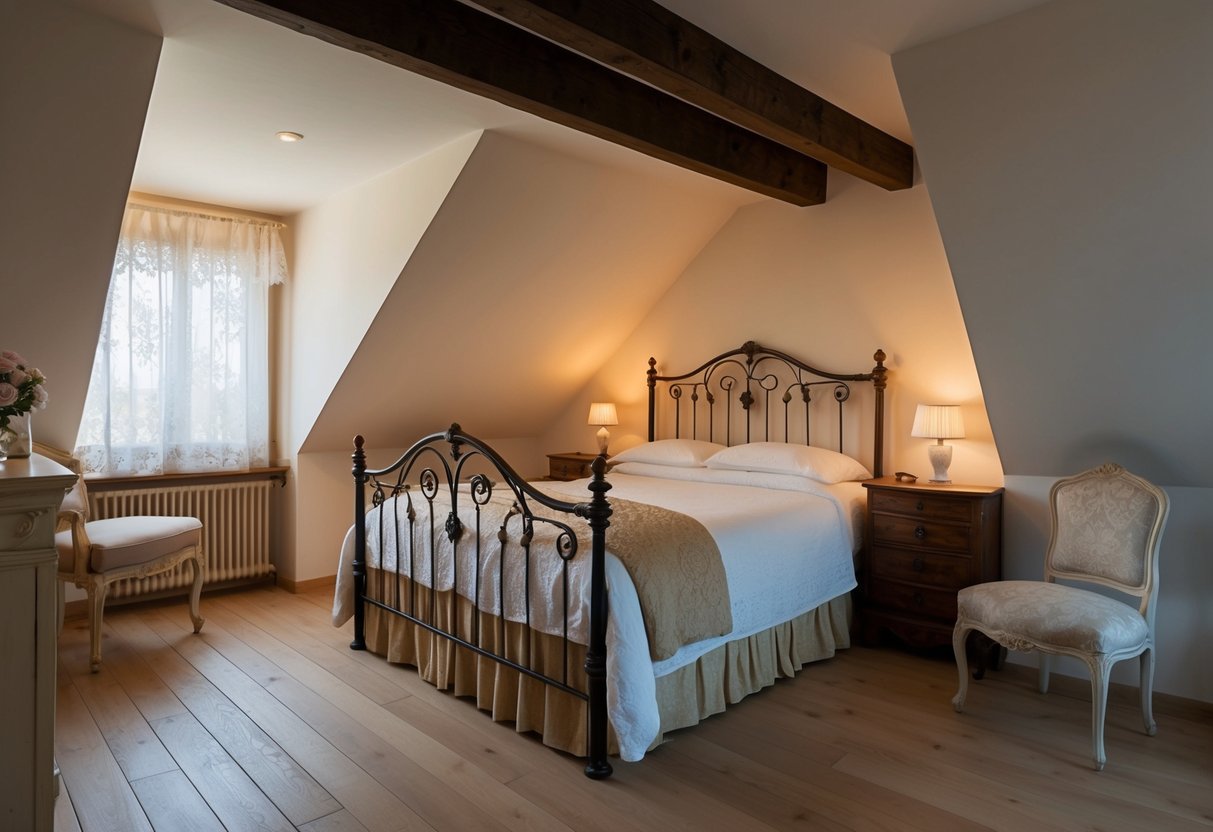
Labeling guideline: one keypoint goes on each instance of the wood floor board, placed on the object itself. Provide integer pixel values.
(1040, 744)
(431, 800)
(369, 801)
(443, 768)
(65, 812)
(832, 794)
(100, 793)
(943, 737)
(130, 739)
(376, 687)
(173, 804)
(232, 795)
(341, 821)
(864, 742)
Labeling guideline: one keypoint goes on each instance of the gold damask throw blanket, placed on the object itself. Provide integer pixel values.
(676, 567)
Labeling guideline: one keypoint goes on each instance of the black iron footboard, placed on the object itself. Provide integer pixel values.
(437, 465)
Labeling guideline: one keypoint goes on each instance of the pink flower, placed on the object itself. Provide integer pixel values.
(7, 366)
(17, 377)
(40, 396)
(8, 394)
(13, 357)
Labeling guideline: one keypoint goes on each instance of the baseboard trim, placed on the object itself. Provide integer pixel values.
(297, 587)
(1169, 704)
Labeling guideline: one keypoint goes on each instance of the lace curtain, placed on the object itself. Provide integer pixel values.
(181, 377)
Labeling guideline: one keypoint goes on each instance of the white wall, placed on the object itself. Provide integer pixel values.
(345, 256)
(828, 284)
(535, 267)
(1067, 154)
(348, 253)
(74, 89)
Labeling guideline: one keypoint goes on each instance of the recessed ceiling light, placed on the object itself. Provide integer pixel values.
(289, 136)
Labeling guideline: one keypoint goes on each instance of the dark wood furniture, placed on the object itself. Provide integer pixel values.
(734, 396)
(570, 466)
(923, 544)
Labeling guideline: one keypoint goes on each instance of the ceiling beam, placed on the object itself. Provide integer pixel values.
(651, 43)
(473, 51)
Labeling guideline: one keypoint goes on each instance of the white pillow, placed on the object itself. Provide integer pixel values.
(677, 453)
(781, 458)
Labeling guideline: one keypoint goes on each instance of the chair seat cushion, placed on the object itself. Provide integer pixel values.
(130, 541)
(1054, 614)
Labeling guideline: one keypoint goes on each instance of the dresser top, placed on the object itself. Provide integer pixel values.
(922, 486)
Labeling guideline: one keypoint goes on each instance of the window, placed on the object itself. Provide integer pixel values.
(181, 377)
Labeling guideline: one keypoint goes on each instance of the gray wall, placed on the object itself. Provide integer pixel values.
(1066, 151)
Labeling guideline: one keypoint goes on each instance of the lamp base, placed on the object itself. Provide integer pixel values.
(603, 436)
(941, 457)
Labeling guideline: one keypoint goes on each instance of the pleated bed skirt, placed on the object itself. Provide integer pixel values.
(719, 678)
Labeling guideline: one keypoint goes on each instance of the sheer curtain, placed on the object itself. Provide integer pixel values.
(181, 377)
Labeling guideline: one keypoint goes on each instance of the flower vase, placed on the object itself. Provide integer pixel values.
(20, 443)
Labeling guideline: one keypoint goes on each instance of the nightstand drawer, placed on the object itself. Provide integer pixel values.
(945, 571)
(563, 469)
(570, 466)
(918, 600)
(928, 506)
(912, 531)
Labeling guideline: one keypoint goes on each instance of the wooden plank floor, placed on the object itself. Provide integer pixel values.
(266, 721)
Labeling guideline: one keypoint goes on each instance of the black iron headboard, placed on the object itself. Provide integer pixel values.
(727, 380)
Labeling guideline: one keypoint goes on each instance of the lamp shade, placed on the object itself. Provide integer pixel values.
(603, 413)
(938, 421)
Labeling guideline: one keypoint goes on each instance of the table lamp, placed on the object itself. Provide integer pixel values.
(603, 414)
(939, 422)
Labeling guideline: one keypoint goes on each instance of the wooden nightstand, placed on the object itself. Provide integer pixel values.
(924, 543)
(570, 466)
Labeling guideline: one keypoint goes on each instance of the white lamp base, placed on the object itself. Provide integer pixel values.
(603, 436)
(941, 457)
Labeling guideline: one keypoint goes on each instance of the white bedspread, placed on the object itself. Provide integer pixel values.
(786, 543)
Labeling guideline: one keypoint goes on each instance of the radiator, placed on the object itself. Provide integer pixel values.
(235, 529)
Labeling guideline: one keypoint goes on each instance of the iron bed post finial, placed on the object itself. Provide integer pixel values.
(598, 514)
(359, 457)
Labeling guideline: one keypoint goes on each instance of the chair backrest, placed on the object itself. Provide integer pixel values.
(77, 498)
(1107, 527)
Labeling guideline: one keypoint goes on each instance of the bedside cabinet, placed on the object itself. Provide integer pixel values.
(570, 466)
(924, 543)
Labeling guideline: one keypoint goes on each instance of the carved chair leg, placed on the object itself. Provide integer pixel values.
(97, 590)
(959, 636)
(1100, 670)
(196, 593)
(1147, 691)
(1042, 681)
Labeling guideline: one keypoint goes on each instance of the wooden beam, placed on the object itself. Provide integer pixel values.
(474, 51)
(651, 43)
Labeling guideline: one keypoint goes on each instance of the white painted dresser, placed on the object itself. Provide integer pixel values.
(30, 493)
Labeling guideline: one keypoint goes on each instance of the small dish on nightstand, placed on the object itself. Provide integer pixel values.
(903, 476)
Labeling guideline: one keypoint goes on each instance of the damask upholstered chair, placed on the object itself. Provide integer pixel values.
(95, 553)
(1107, 526)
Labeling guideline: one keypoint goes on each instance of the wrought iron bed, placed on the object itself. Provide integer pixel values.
(450, 472)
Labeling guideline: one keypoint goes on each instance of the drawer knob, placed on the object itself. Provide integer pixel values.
(920, 506)
(920, 532)
(918, 565)
(918, 599)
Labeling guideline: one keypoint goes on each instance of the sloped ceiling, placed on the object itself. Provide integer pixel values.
(1068, 167)
(62, 199)
(532, 273)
